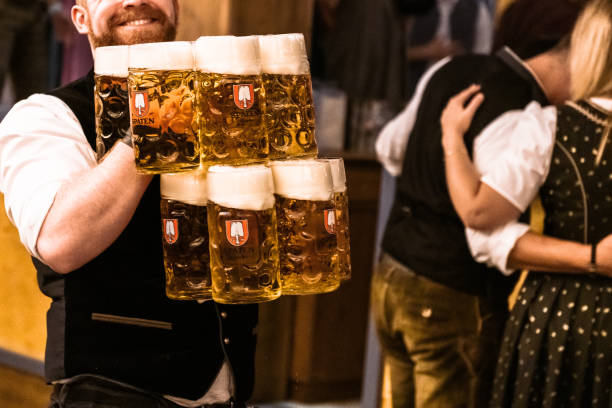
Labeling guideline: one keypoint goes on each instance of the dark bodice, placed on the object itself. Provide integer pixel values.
(577, 194)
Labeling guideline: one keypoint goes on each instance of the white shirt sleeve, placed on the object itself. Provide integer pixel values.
(393, 138)
(494, 247)
(513, 156)
(42, 145)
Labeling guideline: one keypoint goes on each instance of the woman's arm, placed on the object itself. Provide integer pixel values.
(477, 204)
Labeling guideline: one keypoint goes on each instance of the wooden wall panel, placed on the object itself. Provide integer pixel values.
(22, 305)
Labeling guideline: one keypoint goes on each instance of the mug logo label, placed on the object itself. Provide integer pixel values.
(171, 231)
(237, 232)
(140, 104)
(329, 218)
(244, 96)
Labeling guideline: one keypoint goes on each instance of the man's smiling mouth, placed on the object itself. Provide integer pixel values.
(138, 22)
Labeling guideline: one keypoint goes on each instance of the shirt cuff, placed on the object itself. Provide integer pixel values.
(494, 247)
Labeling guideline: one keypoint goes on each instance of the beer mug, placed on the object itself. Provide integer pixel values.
(231, 101)
(161, 92)
(342, 217)
(185, 235)
(306, 226)
(111, 97)
(242, 233)
(289, 115)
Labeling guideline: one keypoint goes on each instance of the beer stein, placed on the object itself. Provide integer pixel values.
(185, 235)
(161, 92)
(306, 226)
(289, 116)
(242, 232)
(342, 216)
(111, 97)
(230, 100)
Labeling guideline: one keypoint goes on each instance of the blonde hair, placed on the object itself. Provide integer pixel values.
(591, 51)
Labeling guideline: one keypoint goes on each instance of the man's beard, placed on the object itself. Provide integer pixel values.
(164, 30)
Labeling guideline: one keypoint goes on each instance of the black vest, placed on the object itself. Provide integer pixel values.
(111, 317)
(424, 232)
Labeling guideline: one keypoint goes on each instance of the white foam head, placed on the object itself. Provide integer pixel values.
(111, 61)
(338, 173)
(227, 54)
(283, 54)
(241, 187)
(172, 55)
(308, 179)
(188, 187)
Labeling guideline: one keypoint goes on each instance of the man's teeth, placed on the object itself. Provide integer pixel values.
(139, 22)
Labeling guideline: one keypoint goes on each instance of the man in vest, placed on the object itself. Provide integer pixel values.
(114, 338)
(439, 313)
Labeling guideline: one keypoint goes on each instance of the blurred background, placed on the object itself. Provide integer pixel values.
(365, 56)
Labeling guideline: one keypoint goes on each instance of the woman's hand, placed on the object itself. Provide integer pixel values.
(457, 117)
(604, 256)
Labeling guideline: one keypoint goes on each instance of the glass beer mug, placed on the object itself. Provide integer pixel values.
(111, 97)
(185, 235)
(161, 93)
(306, 226)
(230, 100)
(342, 216)
(289, 116)
(242, 233)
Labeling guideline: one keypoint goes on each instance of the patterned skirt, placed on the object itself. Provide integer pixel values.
(557, 347)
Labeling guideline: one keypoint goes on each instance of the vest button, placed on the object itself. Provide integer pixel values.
(224, 314)
(226, 340)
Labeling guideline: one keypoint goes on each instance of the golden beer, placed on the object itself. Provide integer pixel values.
(343, 235)
(230, 101)
(342, 216)
(185, 236)
(242, 232)
(306, 226)
(112, 113)
(162, 95)
(289, 116)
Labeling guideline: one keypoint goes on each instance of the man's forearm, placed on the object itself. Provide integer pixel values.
(91, 211)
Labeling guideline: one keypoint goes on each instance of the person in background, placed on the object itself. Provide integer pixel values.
(113, 337)
(440, 314)
(556, 343)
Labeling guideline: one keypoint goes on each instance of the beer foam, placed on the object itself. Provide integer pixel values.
(111, 61)
(188, 187)
(338, 174)
(283, 54)
(308, 179)
(241, 187)
(172, 55)
(226, 54)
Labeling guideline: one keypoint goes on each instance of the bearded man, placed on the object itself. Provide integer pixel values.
(113, 338)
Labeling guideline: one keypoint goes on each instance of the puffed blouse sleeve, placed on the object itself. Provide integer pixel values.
(512, 154)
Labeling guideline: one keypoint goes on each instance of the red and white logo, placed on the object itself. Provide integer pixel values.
(244, 96)
(237, 232)
(329, 218)
(170, 228)
(140, 104)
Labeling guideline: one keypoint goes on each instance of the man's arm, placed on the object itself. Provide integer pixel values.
(90, 211)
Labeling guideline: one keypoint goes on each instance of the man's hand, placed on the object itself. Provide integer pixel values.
(604, 256)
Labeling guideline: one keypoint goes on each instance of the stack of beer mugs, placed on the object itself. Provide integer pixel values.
(248, 210)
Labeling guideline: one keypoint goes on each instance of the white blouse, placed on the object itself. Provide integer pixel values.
(513, 157)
